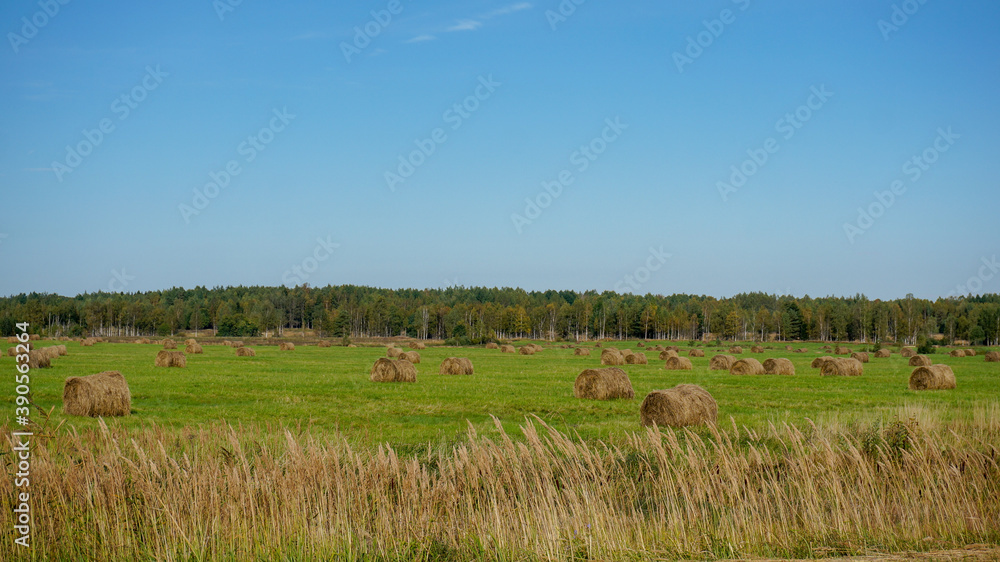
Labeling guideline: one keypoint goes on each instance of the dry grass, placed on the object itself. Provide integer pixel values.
(266, 493)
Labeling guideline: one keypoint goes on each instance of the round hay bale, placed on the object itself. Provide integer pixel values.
(386, 370)
(802, 350)
(907, 352)
(105, 394)
(169, 344)
(189, 341)
(736, 350)
(536, 347)
(920, 361)
(507, 349)
(227, 343)
(637, 358)
(789, 348)
(667, 354)
(492, 345)
(759, 349)
(35, 337)
(245, 352)
(60, 349)
(411, 356)
(351, 345)
(883, 353)
(957, 353)
(721, 363)
(598, 344)
(144, 341)
(194, 349)
(393, 352)
(696, 353)
(672, 348)
(640, 344)
(581, 351)
(626, 352)
(12, 339)
(417, 345)
(86, 342)
(680, 406)
(324, 343)
(286, 346)
(970, 352)
(612, 357)
(842, 350)
(609, 383)
(236, 344)
(527, 350)
(62, 338)
(820, 361)
(842, 367)
(657, 348)
(748, 366)
(779, 366)
(993, 357)
(678, 364)
(932, 377)
(36, 359)
(455, 366)
(861, 356)
(166, 358)
(12, 351)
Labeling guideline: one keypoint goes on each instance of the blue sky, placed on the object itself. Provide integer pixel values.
(206, 87)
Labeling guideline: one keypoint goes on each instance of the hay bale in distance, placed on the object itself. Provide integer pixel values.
(748, 366)
(819, 361)
(169, 344)
(417, 345)
(861, 356)
(286, 346)
(802, 350)
(759, 349)
(411, 356)
(612, 357)
(236, 344)
(920, 361)
(993, 357)
(907, 352)
(527, 350)
(696, 353)
(598, 344)
(324, 343)
(626, 352)
(640, 344)
(637, 358)
(678, 364)
(883, 353)
(672, 348)
(194, 349)
(166, 358)
(393, 352)
(970, 352)
(789, 348)
(455, 366)
(779, 366)
(932, 377)
(957, 353)
(721, 362)
(87, 342)
(37, 359)
(492, 345)
(842, 367)
(609, 383)
(386, 370)
(507, 349)
(189, 341)
(841, 350)
(736, 350)
(245, 352)
(581, 351)
(680, 406)
(227, 343)
(105, 394)
(667, 354)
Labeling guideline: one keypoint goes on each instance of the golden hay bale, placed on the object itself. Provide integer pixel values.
(759, 349)
(640, 344)
(820, 361)
(35, 337)
(779, 366)
(492, 345)
(166, 358)
(825, 347)
(610, 383)
(748, 366)
(598, 344)
(507, 349)
(393, 352)
(682, 405)
(194, 349)
(536, 347)
(385, 370)
(626, 352)
(86, 342)
(932, 377)
(63, 338)
(789, 348)
(667, 354)
(351, 345)
(802, 350)
(286, 346)
(527, 350)
(581, 351)
(236, 344)
(678, 364)
(657, 348)
(736, 350)
(957, 353)
(696, 353)
(842, 350)
(169, 344)
(842, 367)
(60, 349)
(37, 359)
(907, 352)
(12, 339)
(970, 352)
(190, 341)
(227, 343)
(245, 352)
(105, 394)
(637, 358)
(324, 343)
(883, 353)
(455, 366)
(12, 351)
(993, 356)
(672, 348)
(612, 357)
(861, 356)
(411, 356)
(417, 345)
(721, 363)
(920, 361)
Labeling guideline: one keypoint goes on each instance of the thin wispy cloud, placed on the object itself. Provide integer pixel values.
(36, 169)
(475, 23)
(509, 9)
(466, 25)
(422, 38)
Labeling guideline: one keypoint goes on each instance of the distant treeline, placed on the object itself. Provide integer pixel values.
(479, 314)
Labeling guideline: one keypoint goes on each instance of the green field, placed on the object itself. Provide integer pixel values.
(327, 389)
